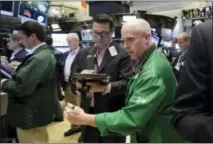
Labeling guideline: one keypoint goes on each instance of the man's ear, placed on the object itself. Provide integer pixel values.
(33, 35)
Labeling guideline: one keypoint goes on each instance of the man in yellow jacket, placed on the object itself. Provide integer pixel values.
(149, 98)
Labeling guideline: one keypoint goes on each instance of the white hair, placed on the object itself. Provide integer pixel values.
(138, 25)
(183, 36)
(71, 36)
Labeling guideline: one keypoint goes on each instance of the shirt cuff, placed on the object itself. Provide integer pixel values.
(107, 89)
(2, 81)
(100, 123)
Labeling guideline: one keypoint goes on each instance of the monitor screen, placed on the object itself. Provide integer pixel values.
(166, 33)
(155, 39)
(7, 8)
(86, 35)
(59, 40)
(34, 10)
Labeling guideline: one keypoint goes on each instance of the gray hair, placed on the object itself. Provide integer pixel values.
(73, 36)
(15, 37)
(138, 25)
(183, 36)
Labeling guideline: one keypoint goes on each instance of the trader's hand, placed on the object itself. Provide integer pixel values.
(4, 57)
(4, 60)
(74, 114)
(15, 63)
(86, 71)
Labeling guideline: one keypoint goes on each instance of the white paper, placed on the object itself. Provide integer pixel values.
(113, 51)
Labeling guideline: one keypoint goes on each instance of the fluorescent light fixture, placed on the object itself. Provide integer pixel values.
(129, 18)
(6, 13)
(59, 40)
(15, 32)
(55, 26)
(153, 29)
(56, 30)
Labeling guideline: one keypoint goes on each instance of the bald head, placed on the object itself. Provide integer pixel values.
(136, 35)
(137, 26)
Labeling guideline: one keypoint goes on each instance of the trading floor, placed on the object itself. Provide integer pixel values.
(56, 133)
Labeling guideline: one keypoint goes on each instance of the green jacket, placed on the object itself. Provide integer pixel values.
(32, 91)
(148, 111)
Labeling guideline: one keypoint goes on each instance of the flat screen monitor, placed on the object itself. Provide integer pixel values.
(86, 35)
(59, 40)
(34, 10)
(166, 33)
(155, 39)
(7, 8)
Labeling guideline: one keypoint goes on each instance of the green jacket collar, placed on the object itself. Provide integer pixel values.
(143, 59)
(37, 50)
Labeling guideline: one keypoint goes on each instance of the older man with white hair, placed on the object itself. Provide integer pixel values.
(67, 60)
(150, 94)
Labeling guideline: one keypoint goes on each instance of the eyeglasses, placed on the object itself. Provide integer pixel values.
(101, 34)
(129, 41)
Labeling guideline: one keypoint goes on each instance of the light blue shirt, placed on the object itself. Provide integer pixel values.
(68, 63)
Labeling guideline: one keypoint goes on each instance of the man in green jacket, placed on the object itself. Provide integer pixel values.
(32, 89)
(149, 98)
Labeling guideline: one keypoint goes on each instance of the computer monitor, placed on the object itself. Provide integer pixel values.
(6, 8)
(34, 10)
(59, 40)
(86, 35)
(155, 38)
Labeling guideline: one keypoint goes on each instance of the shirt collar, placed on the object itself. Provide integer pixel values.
(36, 47)
(102, 50)
(145, 56)
(75, 51)
(16, 51)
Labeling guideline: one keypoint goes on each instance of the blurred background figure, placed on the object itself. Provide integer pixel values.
(67, 59)
(59, 112)
(183, 41)
(19, 52)
(193, 108)
(8, 65)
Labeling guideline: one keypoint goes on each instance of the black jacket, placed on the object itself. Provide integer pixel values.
(193, 108)
(119, 68)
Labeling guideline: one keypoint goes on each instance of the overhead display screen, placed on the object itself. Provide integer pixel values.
(34, 10)
(6, 8)
(86, 35)
(155, 39)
